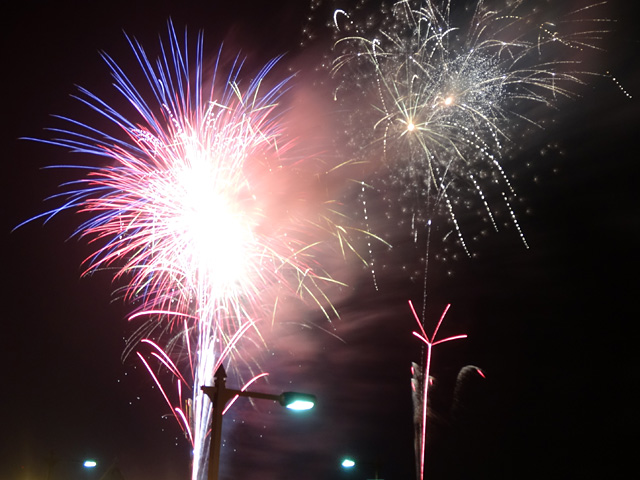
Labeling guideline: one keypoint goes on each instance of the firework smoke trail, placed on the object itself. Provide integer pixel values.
(447, 93)
(183, 211)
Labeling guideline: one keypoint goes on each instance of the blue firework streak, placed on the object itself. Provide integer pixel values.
(188, 212)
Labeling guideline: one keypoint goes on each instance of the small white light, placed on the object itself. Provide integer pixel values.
(300, 405)
(348, 463)
(297, 401)
(89, 463)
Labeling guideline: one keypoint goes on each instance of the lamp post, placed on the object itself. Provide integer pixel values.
(220, 395)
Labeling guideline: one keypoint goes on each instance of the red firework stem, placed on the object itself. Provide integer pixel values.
(430, 343)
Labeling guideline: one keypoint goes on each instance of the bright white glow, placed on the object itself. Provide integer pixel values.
(411, 127)
(216, 235)
(89, 463)
(449, 100)
(348, 463)
(300, 405)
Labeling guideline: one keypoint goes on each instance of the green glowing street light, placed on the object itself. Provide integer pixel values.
(220, 395)
(348, 463)
(53, 461)
(297, 400)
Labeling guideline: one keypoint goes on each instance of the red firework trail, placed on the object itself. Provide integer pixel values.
(430, 343)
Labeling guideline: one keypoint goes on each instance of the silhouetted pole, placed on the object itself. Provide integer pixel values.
(220, 395)
(218, 400)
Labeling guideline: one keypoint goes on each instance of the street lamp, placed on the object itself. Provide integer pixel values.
(348, 463)
(297, 400)
(52, 461)
(220, 395)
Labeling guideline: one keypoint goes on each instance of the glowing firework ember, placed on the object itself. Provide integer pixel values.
(445, 91)
(188, 210)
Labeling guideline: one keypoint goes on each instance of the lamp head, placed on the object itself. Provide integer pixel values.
(348, 463)
(297, 401)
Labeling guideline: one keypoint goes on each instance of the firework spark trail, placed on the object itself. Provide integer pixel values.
(424, 379)
(449, 91)
(184, 212)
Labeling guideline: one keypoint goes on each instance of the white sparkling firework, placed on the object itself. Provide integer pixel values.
(436, 95)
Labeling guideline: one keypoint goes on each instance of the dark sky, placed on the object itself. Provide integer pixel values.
(552, 326)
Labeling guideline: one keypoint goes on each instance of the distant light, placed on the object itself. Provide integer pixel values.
(89, 463)
(411, 127)
(449, 100)
(348, 463)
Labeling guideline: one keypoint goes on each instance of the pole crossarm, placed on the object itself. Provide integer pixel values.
(230, 393)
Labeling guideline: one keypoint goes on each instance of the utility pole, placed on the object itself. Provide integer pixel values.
(220, 395)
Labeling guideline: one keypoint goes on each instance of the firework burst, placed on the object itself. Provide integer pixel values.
(189, 213)
(447, 91)
(435, 99)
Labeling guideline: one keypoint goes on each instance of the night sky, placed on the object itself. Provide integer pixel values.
(552, 327)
